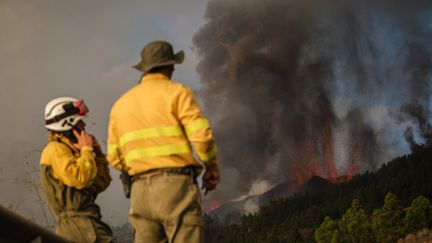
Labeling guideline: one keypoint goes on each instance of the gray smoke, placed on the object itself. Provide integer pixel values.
(300, 88)
(418, 69)
(420, 116)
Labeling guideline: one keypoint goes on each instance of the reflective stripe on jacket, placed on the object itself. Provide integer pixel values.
(153, 124)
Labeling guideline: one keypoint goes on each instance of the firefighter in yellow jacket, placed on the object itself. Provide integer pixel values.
(73, 172)
(151, 130)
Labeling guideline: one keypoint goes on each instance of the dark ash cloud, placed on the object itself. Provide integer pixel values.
(283, 81)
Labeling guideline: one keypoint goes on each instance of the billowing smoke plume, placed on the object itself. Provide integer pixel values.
(299, 88)
(420, 116)
(418, 67)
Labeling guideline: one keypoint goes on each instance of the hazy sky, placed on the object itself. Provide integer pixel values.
(83, 49)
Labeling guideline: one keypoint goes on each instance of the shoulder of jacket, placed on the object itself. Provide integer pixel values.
(180, 87)
(51, 148)
(55, 146)
(123, 98)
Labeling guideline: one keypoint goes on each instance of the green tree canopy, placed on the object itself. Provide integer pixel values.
(355, 225)
(418, 215)
(325, 233)
(387, 222)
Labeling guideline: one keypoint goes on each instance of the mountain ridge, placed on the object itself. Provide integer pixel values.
(280, 190)
(407, 177)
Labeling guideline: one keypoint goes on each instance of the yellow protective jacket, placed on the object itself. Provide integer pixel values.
(153, 126)
(71, 180)
(75, 168)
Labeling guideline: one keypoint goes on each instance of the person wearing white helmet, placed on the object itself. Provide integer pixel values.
(73, 172)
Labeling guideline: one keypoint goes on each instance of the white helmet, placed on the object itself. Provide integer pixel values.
(63, 113)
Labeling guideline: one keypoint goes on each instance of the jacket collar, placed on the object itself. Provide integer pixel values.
(62, 139)
(154, 76)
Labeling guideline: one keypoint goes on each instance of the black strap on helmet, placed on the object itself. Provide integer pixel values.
(70, 110)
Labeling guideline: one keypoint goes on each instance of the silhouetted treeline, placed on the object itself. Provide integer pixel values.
(294, 219)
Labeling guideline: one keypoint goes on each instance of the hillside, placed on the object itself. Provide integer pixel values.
(230, 212)
(295, 217)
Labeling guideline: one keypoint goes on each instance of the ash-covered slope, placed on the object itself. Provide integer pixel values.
(253, 203)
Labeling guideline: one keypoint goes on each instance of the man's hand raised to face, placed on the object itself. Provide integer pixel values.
(83, 138)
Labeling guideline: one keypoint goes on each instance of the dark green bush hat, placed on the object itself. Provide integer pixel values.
(158, 54)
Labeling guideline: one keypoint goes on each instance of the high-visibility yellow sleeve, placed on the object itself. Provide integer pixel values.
(78, 172)
(113, 145)
(197, 127)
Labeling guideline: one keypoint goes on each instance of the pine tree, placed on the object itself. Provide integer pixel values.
(336, 238)
(387, 222)
(355, 226)
(324, 233)
(418, 215)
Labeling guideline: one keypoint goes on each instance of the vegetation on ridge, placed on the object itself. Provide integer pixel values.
(294, 219)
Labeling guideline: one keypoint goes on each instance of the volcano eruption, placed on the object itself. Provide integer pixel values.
(297, 89)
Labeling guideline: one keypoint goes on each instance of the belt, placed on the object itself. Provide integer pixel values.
(187, 170)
